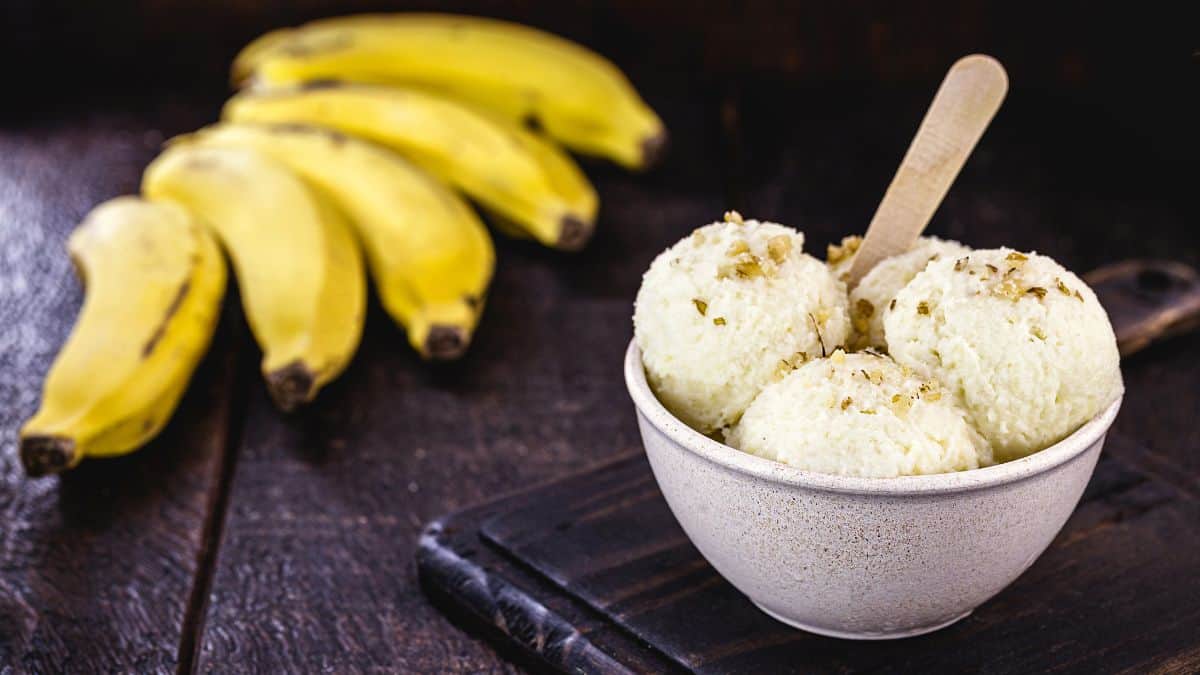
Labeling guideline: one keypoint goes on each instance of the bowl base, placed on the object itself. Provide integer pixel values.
(845, 635)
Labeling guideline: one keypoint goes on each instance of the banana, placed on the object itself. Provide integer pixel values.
(511, 172)
(430, 255)
(298, 267)
(154, 279)
(530, 77)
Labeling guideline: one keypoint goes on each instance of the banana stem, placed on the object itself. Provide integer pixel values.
(44, 455)
(291, 386)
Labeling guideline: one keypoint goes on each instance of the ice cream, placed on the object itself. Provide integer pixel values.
(870, 299)
(727, 311)
(1022, 342)
(990, 354)
(860, 414)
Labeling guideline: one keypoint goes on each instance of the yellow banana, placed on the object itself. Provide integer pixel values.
(430, 255)
(531, 77)
(298, 267)
(517, 175)
(154, 279)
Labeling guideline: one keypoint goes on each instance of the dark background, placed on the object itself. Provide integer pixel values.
(243, 539)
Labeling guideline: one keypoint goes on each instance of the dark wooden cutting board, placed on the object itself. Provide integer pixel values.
(593, 574)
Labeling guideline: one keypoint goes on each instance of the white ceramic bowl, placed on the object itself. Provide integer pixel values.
(864, 558)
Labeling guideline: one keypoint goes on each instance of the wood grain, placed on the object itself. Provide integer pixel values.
(96, 567)
(1147, 300)
(1113, 592)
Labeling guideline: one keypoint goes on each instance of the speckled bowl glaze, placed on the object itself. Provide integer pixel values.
(862, 558)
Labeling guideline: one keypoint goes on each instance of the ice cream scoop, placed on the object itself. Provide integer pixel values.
(860, 414)
(729, 309)
(1022, 342)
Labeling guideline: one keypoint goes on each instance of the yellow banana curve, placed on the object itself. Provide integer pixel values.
(529, 76)
(430, 255)
(298, 267)
(509, 171)
(154, 279)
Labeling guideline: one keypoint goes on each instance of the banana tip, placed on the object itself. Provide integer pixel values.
(654, 148)
(44, 455)
(573, 233)
(291, 386)
(446, 343)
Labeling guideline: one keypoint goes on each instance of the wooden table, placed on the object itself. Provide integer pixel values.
(245, 540)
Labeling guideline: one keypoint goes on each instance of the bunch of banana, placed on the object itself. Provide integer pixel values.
(353, 133)
(298, 267)
(428, 252)
(130, 355)
(511, 172)
(525, 75)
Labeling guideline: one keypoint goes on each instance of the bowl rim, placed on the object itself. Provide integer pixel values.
(655, 413)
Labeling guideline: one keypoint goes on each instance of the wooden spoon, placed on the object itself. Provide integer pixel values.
(962, 108)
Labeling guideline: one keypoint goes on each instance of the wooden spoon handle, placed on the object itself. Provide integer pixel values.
(962, 108)
(1147, 300)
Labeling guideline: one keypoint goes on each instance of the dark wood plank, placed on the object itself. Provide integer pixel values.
(326, 506)
(97, 568)
(1114, 591)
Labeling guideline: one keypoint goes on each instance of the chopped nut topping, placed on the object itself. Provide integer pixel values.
(961, 263)
(778, 248)
(719, 321)
(748, 269)
(701, 306)
(1038, 332)
(1062, 288)
(892, 304)
(900, 404)
(733, 217)
(923, 308)
(860, 317)
(867, 411)
(1078, 296)
(1036, 290)
(737, 248)
(789, 364)
(933, 396)
(1009, 289)
(864, 308)
(838, 356)
(875, 376)
(846, 402)
(992, 268)
(698, 238)
(1016, 257)
(1008, 272)
(835, 254)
